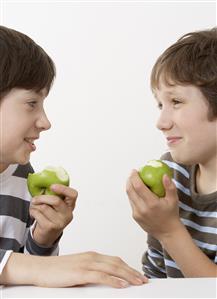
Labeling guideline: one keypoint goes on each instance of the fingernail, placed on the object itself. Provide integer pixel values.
(166, 180)
(138, 280)
(53, 187)
(145, 279)
(124, 284)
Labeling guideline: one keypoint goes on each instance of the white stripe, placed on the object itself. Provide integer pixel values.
(197, 212)
(4, 260)
(205, 229)
(215, 259)
(16, 187)
(12, 228)
(7, 173)
(177, 167)
(170, 263)
(153, 263)
(153, 254)
(182, 188)
(203, 245)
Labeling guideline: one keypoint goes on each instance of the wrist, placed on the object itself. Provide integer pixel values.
(45, 239)
(175, 232)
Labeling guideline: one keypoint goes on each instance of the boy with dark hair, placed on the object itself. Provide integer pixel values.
(182, 226)
(27, 249)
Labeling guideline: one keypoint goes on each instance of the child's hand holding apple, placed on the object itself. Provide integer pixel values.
(52, 204)
(154, 200)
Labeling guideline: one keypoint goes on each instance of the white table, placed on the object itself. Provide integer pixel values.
(156, 288)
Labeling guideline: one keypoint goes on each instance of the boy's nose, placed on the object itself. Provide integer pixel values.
(43, 123)
(164, 121)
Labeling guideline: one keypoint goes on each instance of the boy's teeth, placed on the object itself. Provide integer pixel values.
(29, 140)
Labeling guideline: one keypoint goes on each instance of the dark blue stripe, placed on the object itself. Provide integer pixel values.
(22, 171)
(15, 207)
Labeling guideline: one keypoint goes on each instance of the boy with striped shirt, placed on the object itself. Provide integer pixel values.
(28, 251)
(182, 226)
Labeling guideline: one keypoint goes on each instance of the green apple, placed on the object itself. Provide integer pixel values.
(39, 183)
(152, 174)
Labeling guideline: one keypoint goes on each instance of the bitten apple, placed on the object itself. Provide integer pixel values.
(152, 174)
(39, 183)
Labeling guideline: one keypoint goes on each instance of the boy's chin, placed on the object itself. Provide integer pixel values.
(23, 160)
(181, 159)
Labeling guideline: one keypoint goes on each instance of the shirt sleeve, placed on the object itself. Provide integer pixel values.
(153, 260)
(32, 247)
(4, 256)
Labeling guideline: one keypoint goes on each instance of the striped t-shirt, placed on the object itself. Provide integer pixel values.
(199, 215)
(15, 222)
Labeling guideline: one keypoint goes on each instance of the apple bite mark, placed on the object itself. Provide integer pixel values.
(152, 174)
(155, 163)
(60, 172)
(40, 183)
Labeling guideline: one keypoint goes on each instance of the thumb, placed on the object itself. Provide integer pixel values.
(170, 188)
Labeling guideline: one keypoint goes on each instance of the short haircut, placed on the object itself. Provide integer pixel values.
(23, 63)
(191, 60)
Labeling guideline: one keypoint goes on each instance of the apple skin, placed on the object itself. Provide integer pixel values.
(39, 183)
(152, 174)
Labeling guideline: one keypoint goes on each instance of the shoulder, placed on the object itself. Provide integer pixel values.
(22, 171)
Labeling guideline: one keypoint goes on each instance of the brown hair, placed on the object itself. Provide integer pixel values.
(23, 63)
(191, 60)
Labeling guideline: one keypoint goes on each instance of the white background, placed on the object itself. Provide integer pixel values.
(102, 111)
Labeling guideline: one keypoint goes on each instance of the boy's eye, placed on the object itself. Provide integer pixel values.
(32, 104)
(176, 102)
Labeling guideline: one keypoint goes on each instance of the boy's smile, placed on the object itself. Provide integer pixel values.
(22, 120)
(183, 119)
(30, 142)
(173, 140)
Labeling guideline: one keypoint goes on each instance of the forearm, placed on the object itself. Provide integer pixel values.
(68, 270)
(190, 259)
(20, 269)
